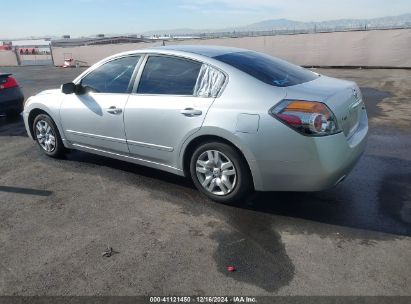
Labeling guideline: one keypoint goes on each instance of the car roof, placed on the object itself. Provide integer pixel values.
(204, 53)
(203, 50)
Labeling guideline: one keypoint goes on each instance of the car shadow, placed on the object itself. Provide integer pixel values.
(89, 158)
(349, 204)
(331, 207)
(12, 126)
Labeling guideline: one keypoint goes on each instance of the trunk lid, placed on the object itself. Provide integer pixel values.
(342, 97)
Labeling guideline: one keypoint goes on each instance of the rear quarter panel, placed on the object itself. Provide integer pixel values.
(243, 96)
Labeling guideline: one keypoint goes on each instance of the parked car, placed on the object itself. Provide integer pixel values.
(232, 120)
(11, 96)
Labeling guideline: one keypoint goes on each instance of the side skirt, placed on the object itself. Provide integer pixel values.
(128, 158)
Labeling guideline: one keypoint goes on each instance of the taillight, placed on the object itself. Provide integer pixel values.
(307, 117)
(8, 82)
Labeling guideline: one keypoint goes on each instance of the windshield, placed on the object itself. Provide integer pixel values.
(268, 69)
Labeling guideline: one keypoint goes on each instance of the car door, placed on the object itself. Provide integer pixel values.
(95, 119)
(163, 111)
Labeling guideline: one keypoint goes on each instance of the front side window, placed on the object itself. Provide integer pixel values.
(112, 77)
(169, 75)
(273, 71)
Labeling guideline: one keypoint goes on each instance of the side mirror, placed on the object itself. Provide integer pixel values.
(68, 88)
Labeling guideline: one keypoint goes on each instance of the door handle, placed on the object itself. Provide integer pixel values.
(114, 110)
(190, 112)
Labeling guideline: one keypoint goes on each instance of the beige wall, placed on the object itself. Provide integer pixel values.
(389, 48)
(8, 58)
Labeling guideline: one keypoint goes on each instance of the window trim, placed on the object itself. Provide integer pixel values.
(133, 75)
(143, 64)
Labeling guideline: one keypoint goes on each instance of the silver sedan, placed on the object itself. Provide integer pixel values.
(232, 120)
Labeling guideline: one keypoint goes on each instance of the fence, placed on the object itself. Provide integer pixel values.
(35, 59)
(379, 48)
(293, 31)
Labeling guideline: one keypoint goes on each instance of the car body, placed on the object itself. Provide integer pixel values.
(287, 128)
(11, 96)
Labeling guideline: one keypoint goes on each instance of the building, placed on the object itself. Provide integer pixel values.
(100, 39)
(32, 51)
(31, 46)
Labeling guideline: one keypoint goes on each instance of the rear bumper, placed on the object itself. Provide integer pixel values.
(11, 100)
(330, 160)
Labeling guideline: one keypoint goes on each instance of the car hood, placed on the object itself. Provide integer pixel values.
(47, 92)
(46, 100)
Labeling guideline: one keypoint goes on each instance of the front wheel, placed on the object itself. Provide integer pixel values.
(48, 136)
(220, 172)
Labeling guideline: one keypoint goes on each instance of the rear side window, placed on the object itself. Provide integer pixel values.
(270, 70)
(169, 75)
(113, 76)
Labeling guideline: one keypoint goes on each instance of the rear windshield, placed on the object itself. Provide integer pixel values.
(268, 69)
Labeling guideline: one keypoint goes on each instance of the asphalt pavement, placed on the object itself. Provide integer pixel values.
(57, 217)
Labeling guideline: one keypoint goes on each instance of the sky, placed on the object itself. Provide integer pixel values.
(25, 18)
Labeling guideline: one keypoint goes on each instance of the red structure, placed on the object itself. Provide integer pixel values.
(5, 48)
(28, 51)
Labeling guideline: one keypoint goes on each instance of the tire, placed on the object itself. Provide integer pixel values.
(44, 136)
(230, 169)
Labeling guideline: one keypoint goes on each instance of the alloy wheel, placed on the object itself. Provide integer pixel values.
(45, 136)
(216, 172)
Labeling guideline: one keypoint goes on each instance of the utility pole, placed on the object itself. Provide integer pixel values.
(17, 56)
(51, 54)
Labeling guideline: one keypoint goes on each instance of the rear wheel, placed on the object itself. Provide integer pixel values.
(220, 172)
(47, 136)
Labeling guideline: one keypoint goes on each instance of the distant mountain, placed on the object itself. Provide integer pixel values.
(285, 24)
(179, 31)
(278, 24)
(271, 24)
